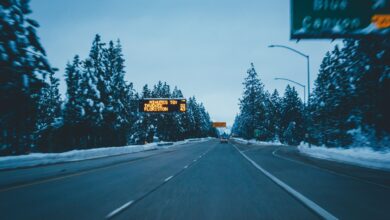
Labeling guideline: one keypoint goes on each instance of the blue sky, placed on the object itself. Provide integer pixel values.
(203, 47)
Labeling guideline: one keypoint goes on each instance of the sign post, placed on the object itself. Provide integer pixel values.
(339, 18)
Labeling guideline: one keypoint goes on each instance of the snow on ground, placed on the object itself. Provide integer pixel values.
(253, 141)
(360, 156)
(35, 159)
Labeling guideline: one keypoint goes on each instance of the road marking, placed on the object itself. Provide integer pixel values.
(194, 160)
(120, 209)
(310, 204)
(168, 178)
(116, 211)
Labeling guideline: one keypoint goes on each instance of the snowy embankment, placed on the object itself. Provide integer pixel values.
(36, 159)
(365, 157)
(253, 141)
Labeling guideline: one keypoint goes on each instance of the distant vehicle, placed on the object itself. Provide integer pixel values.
(223, 140)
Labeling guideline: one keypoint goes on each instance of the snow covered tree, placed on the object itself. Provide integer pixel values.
(371, 111)
(23, 65)
(350, 94)
(292, 120)
(116, 115)
(50, 117)
(331, 101)
(165, 123)
(252, 107)
(274, 115)
(49, 105)
(193, 115)
(143, 129)
(73, 111)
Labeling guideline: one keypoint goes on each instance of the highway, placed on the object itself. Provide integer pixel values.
(198, 180)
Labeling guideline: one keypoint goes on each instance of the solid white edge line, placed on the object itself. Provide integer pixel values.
(168, 178)
(312, 205)
(116, 211)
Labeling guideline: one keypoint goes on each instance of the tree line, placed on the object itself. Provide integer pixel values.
(269, 117)
(100, 107)
(348, 106)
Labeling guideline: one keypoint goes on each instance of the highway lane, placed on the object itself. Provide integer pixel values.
(15, 177)
(348, 192)
(207, 180)
(93, 194)
(222, 185)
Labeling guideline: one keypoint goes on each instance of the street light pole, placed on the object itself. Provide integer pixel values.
(308, 72)
(308, 66)
(297, 83)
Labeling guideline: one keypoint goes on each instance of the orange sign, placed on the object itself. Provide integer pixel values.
(219, 124)
(381, 21)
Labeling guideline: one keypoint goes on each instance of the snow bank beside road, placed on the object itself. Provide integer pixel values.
(35, 159)
(253, 141)
(365, 157)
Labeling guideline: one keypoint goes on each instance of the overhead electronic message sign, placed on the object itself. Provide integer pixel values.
(339, 18)
(162, 105)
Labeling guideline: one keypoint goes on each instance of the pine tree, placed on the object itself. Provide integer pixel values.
(143, 131)
(236, 128)
(179, 118)
(252, 107)
(23, 65)
(292, 121)
(193, 119)
(372, 89)
(274, 115)
(73, 111)
(91, 96)
(50, 118)
(49, 105)
(116, 116)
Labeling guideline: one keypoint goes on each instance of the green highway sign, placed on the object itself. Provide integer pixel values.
(339, 18)
(257, 133)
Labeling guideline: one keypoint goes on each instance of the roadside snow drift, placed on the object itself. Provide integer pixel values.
(365, 157)
(253, 141)
(35, 159)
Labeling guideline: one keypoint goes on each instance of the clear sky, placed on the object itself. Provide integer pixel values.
(203, 46)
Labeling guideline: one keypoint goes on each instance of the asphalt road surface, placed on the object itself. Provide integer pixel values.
(205, 180)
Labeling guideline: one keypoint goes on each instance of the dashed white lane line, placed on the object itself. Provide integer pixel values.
(116, 211)
(168, 178)
(310, 204)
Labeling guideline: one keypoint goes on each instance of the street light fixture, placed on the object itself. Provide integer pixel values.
(308, 66)
(297, 83)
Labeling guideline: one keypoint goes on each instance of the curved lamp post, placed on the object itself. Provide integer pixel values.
(308, 66)
(297, 83)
